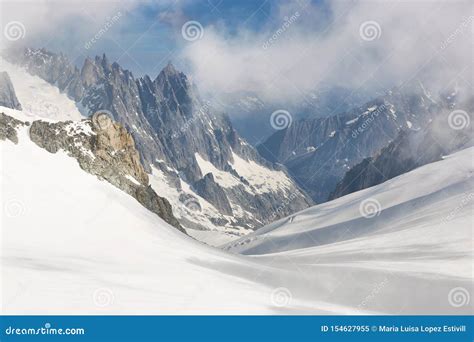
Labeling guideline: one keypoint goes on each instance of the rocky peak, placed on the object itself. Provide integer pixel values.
(112, 141)
(409, 150)
(7, 92)
(103, 63)
(319, 151)
(170, 126)
(170, 70)
(174, 85)
(103, 148)
(53, 68)
(89, 73)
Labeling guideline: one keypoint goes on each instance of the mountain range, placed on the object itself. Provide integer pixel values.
(109, 180)
(219, 186)
(251, 114)
(214, 179)
(76, 244)
(318, 152)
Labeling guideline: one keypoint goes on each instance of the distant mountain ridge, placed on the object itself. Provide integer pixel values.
(101, 147)
(250, 114)
(318, 152)
(177, 135)
(410, 150)
(7, 92)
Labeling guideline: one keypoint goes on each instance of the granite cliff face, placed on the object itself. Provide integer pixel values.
(251, 115)
(410, 150)
(180, 138)
(103, 148)
(7, 92)
(8, 128)
(53, 68)
(318, 152)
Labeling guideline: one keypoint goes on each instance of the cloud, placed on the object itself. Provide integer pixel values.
(300, 47)
(372, 44)
(62, 26)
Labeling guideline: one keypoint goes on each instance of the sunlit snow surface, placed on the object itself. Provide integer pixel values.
(38, 98)
(72, 244)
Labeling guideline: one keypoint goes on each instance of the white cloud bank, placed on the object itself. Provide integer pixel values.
(400, 40)
(302, 45)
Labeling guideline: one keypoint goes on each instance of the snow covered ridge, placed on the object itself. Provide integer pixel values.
(101, 147)
(260, 180)
(103, 253)
(405, 244)
(320, 151)
(38, 98)
(170, 124)
(404, 208)
(409, 150)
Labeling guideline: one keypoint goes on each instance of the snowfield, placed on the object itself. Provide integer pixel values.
(216, 235)
(72, 244)
(38, 98)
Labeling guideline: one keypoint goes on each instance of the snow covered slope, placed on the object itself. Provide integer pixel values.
(409, 239)
(425, 212)
(72, 244)
(170, 122)
(409, 207)
(39, 98)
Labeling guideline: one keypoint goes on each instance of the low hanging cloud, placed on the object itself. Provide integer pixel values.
(74, 27)
(373, 44)
(355, 44)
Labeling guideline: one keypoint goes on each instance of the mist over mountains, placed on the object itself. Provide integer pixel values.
(217, 179)
(170, 157)
(195, 156)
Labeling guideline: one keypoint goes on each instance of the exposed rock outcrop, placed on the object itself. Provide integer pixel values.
(208, 189)
(410, 150)
(7, 92)
(171, 124)
(8, 128)
(104, 148)
(319, 151)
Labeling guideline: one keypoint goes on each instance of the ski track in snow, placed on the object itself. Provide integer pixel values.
(85, 247)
